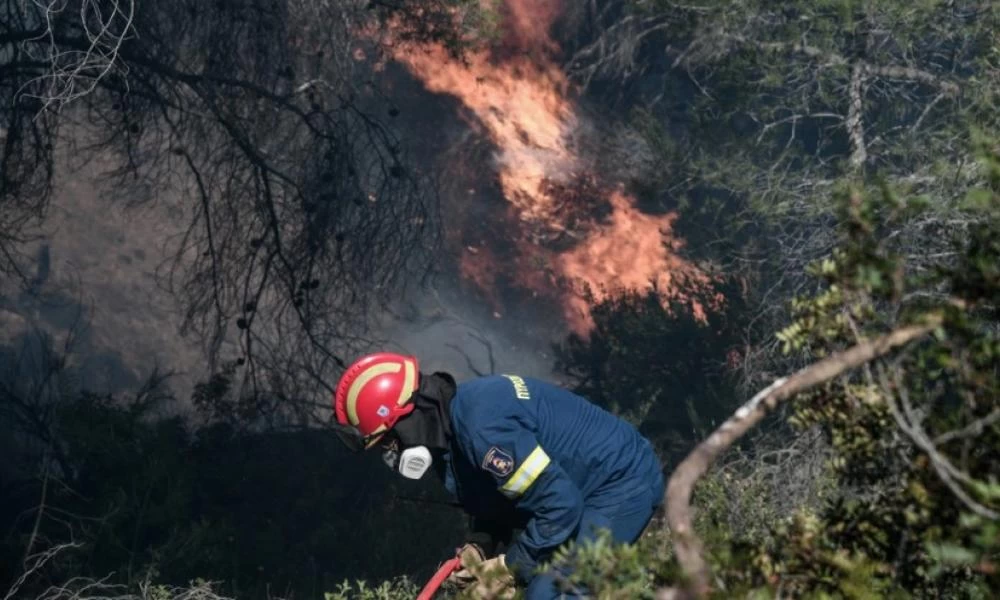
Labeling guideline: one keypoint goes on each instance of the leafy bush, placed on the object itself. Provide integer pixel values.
(400, 588)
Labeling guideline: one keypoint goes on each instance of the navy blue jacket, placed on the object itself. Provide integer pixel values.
(532, 446)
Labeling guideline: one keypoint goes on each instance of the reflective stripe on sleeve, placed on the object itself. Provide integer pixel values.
(526, 474)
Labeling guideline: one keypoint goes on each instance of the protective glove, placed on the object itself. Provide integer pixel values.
(471, 555)
(493, 579)
(484, 578)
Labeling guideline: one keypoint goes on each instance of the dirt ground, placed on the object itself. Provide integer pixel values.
(95, 266)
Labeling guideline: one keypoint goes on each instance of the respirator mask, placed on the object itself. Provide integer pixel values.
(407, 448)
(412, 463)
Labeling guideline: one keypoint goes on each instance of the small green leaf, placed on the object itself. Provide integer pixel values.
(951, 554)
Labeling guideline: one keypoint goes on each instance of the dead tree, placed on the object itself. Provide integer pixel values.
(258, 122)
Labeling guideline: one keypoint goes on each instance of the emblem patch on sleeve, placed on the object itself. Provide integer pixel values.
(498, 462)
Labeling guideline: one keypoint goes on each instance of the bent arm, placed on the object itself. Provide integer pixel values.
(527, 475)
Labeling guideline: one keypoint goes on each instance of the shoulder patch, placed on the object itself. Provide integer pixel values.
(520, 387)
(498, 462)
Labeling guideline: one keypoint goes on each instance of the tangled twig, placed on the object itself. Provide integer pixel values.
(77, 69)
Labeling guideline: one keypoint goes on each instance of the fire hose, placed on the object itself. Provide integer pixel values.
(450, 566)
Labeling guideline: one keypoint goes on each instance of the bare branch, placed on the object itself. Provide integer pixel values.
(972, 429)
(907, 421)
(82, 588)
(855, 108)
(34, 563)
(74, 72)
(813, 52)
(914, 74)
(40, 510)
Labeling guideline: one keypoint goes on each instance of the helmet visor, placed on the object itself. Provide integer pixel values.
(350, 437)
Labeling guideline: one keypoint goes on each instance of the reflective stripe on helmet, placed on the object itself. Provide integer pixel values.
(409, 383)
(363, 378)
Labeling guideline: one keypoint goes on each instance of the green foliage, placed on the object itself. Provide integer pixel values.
(396, 589)
(914, 436)
(616, 571)
(753, 488)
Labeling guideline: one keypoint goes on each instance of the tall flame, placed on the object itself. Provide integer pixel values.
(521, 100)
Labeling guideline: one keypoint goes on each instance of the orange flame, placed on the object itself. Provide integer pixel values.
(521, 100)
(628, 253)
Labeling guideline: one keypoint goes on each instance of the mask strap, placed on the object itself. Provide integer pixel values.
(350, 437)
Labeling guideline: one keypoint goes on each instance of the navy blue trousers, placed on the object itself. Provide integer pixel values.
(625, 520)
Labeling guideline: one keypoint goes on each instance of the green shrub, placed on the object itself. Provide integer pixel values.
(400, 588)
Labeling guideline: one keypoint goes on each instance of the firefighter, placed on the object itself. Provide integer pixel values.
(516, 452)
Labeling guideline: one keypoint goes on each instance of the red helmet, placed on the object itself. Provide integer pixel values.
(374, 393)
